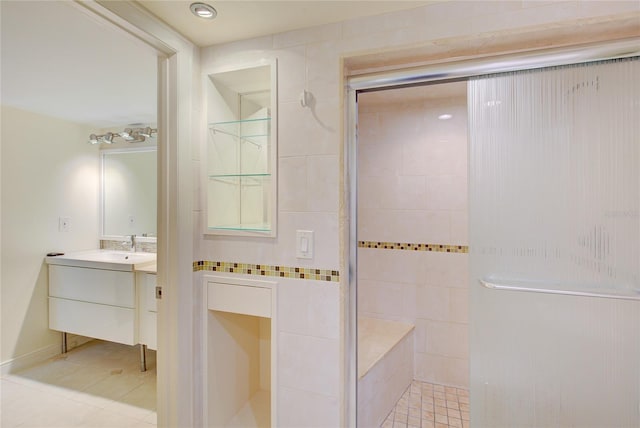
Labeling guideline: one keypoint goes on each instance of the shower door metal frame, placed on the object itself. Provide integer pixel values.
(413, 76)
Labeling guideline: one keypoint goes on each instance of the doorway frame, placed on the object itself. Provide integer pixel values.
(178, 403)
(412, 76)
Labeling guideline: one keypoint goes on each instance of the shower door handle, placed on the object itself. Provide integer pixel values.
(548, 288)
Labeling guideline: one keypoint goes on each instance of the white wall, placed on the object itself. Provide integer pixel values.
(310, 149)
(48, 171)
(412, 189)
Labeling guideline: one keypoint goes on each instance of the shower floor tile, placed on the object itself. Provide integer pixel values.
(428, 405)
(98, 384)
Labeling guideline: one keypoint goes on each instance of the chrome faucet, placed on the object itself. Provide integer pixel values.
(131, 242)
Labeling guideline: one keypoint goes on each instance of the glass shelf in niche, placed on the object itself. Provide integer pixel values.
(255, 130)
(240, 202)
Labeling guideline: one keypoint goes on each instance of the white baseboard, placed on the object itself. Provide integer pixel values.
(22, 362)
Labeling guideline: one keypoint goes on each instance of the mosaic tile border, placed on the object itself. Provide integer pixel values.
(268, 270)
(438, 248)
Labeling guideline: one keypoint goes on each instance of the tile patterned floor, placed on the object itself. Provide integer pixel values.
(98, 384)
(427, 405)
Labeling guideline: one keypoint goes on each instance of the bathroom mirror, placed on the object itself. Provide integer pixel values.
(128, 192)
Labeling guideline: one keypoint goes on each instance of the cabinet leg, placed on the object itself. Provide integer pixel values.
(64, 342)
(143, 358)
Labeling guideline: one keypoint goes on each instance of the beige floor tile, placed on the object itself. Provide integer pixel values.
(413, 421)
(442, 419)
(95, 385)
(453, 405)
(387, 424)
(455, 422)
(143, 396)
(428, 405)
(107, 419)
(429, 415)
(400, 417)
(115, 386)
(151, 418)
(415, 412)
(452, 413)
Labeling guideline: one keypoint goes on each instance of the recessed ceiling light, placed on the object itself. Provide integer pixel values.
(445, 116)
(203, 10)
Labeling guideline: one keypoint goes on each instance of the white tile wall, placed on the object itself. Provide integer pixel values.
(308, 363)
(297, 408)
(413, 184)
(309, 308)
(310, 59)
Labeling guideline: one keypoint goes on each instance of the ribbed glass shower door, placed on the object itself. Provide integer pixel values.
(555, 246)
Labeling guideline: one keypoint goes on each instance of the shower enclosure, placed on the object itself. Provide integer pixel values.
(554, 233)
(555, 228)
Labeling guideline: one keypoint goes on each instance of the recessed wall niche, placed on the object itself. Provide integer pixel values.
(241, 349)
(241, 158)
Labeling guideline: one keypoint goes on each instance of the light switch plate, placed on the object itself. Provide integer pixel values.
(64, 224)
(304, 244)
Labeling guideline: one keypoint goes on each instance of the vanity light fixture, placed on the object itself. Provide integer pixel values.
(126, 134)
(146, 132)
(130, 135)
(107, 138)
(445, 116)
(203, 10)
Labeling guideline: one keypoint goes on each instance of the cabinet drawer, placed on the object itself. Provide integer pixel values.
(89, 319)
(107, 287)
(239, 299)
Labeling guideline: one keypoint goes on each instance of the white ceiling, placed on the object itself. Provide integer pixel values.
(243, 19)
(59, 61)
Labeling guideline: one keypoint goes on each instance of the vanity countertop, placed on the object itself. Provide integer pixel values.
(148, 268)
(106, 259)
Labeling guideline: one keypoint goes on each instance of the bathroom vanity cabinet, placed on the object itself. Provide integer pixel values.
(241, 152)
(102, 295)
(148, 310)
(93, 302)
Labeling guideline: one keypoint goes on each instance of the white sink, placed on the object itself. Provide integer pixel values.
(104, 259)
